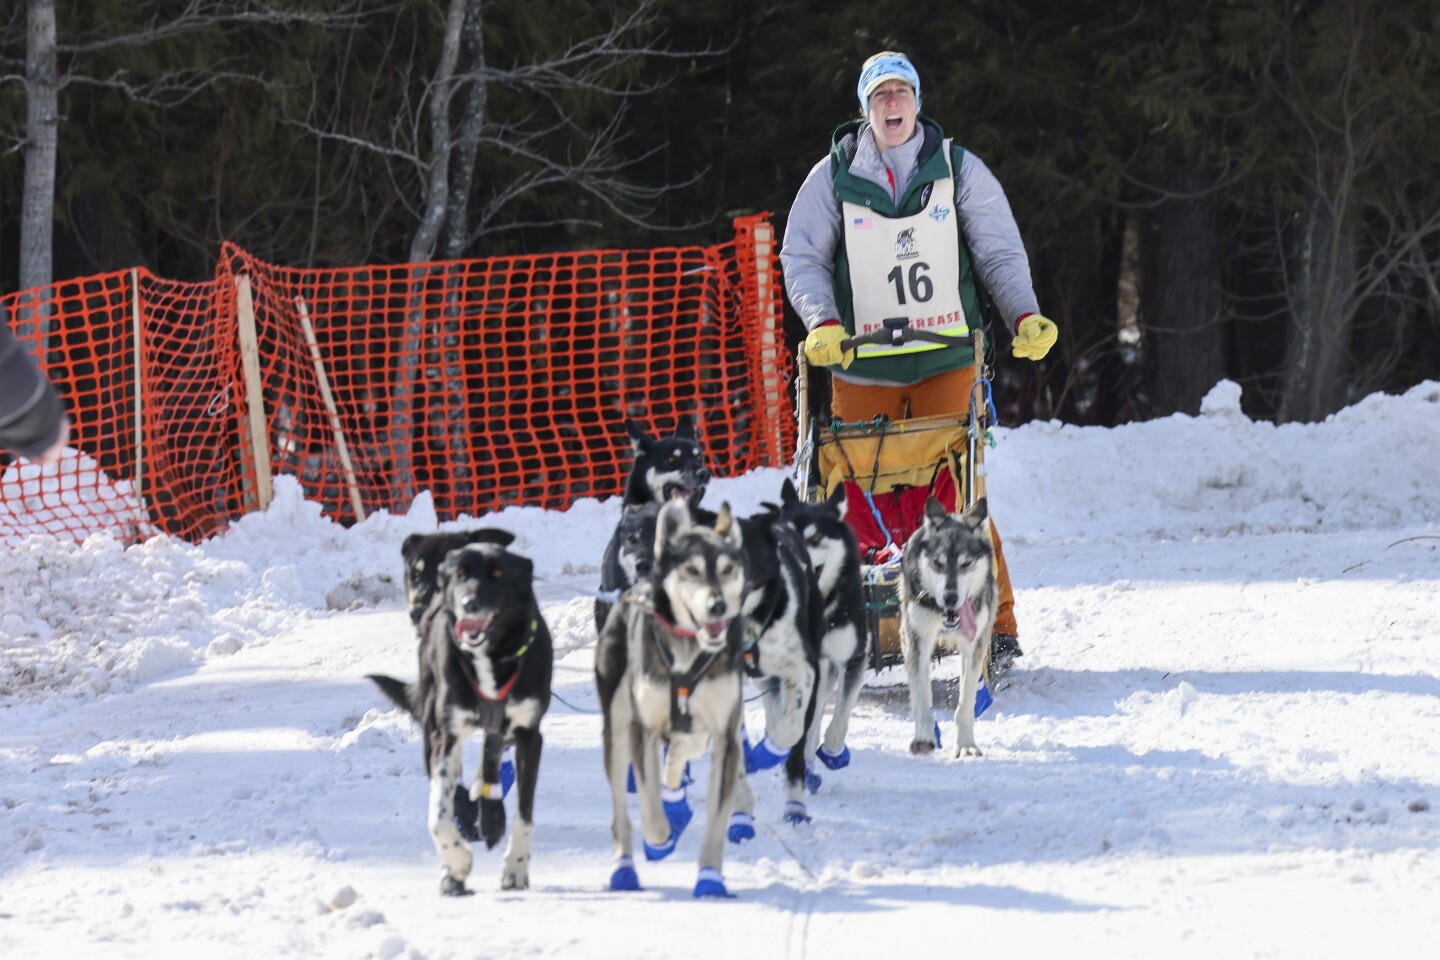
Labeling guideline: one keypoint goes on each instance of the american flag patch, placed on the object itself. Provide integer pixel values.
(863, 223)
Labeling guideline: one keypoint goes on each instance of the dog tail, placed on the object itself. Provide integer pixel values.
(398, 692)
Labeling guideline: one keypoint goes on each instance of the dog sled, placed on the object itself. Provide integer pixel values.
(890, 469)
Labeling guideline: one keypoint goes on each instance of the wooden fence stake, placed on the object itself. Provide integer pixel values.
(330, 408)
(139, 337)
(254, 394)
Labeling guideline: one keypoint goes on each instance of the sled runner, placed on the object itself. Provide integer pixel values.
(889, 469)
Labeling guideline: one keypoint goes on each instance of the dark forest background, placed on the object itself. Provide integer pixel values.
(1208, 188)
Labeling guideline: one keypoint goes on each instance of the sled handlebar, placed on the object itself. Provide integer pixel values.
(896, 331)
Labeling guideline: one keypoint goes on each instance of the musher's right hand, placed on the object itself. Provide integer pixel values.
(822, 346)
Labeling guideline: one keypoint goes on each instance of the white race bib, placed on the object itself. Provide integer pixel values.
(906, 267)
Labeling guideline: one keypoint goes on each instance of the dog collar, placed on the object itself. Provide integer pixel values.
(504, 691)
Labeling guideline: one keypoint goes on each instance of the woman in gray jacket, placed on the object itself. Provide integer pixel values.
(32, 422)
(899, 221)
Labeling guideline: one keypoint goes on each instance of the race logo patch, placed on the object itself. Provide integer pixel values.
(905, 248)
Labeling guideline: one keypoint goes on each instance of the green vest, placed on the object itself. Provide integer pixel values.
(908, 368)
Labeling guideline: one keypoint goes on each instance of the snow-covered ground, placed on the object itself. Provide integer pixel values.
(1223, 740)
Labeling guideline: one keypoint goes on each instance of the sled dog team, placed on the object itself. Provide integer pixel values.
(701, 600)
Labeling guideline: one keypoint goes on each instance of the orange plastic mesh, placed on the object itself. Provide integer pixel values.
(486, 382)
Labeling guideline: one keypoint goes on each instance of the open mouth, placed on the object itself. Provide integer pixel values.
(961, 620)
(471, 630)
(711, 636)
(894, 122)
(674, 490)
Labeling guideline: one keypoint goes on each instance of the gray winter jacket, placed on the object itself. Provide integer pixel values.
(30, 411)
(812, 231)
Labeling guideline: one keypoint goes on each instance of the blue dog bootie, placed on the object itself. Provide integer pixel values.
(624, 878)
(507, 772)
(742, 827)
(677, 811)
(812, 779)
(764, 755)
(834, 761)
(711, 884)
(983, 700)
(938, 744)
(795, 812)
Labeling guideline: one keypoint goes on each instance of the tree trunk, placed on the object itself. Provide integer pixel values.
(462, 178)
(1181, 307)
(437, 184)
(42, 113)
(1322, 308)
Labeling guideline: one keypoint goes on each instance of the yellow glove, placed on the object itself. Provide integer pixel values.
(822, 347)
(1034, 337)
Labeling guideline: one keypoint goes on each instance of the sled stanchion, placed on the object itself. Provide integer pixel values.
(978, 425)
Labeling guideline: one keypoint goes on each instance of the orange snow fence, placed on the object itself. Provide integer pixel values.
(488, 383)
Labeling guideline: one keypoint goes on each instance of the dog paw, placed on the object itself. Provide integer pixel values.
(624, 878)
(920, 746)
(834, 761)
(492, 822)
(795, 813)
(970, 751)
(711, 884)
(812, 780)
(516, 879)
(450, 886)
(742, 827)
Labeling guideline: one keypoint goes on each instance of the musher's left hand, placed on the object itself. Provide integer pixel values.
(1034, 337)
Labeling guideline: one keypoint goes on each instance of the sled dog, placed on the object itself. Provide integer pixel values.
(948, 599)
(668, 671)
(629, 555)
(424, 552)
(835, 559)
(783, 624)
(666, 467)
(486, 660)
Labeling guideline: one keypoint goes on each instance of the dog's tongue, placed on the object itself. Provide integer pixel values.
(717, 628)
(966, 615)
(471, 630)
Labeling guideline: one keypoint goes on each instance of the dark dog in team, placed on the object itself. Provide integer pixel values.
(486, 659)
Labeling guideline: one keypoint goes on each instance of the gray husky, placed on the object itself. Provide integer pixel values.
(948, 599)
(668, 671)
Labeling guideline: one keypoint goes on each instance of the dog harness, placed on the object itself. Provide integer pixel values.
(681, 683)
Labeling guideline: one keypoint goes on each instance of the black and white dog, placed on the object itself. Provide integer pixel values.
(784, 623)
(629, 556)
(668, 671)
(948, 600)
(666, 467)
(424, 552)
(486, 660)
(835, 559)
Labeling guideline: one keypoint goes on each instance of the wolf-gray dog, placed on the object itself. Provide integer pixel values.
(486, 660)
(948, 600)
(835, 559)
(668, 670)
